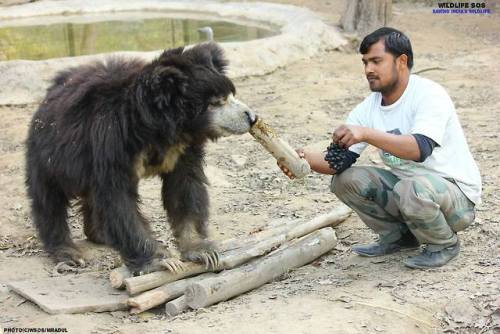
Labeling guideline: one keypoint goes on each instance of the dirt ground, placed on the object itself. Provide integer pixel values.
(341, 292)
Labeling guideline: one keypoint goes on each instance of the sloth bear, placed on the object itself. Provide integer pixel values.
(101, 127)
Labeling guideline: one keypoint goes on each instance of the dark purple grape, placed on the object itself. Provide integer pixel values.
(335, 156)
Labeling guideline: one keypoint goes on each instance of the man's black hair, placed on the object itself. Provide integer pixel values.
(396, 43)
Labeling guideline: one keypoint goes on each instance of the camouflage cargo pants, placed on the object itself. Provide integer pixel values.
(432, 207)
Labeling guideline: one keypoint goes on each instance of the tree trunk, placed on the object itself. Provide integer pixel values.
(364, 16)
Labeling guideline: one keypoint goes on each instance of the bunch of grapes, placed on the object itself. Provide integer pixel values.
(335, 156)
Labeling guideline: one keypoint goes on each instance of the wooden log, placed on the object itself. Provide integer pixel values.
(170, 290)
(332, 218)
(118, 275)
(162, 294)
(280, 149)
(239, 256)
(262, 244)
(176, 306)
(232, 259)
(234, 282)
(137, 284)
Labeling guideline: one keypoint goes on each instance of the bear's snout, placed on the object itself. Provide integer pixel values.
(251, 117)
(233, 117)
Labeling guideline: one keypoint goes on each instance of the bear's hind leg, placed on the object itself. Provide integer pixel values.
(116, 209)
(49, 207)
(91, 228)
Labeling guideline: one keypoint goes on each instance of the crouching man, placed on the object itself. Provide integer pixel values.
(432, 185)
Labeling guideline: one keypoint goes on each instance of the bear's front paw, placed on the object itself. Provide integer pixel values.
(151, 267)
(169, 259)
(205, 253)
(173, 265)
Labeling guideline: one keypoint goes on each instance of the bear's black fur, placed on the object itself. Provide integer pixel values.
(103, 126)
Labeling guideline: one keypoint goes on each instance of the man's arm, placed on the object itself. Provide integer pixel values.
(316, 160)
(401, 146)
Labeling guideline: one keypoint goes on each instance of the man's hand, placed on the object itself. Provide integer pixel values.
(315, 159)
(348, 135)
(285, 170)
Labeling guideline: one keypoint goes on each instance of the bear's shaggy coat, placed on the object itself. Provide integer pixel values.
(102, 127)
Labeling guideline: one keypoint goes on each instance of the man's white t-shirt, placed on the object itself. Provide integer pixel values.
(424, 108)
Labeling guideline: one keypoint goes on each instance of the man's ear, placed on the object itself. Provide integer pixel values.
(402, 61)
(209, 54)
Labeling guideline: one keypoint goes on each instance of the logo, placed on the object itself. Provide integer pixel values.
(462, 7)
(392, 161)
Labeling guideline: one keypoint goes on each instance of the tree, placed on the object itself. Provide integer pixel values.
(364, 16)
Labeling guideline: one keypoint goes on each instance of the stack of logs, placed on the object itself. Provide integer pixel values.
(244, 264)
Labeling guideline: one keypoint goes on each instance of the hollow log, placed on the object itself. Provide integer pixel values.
(280, 149)
(256, 273)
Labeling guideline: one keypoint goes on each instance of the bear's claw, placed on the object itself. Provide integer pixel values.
(68, 258)
(210, 258)
(174, 265)
(68, 267)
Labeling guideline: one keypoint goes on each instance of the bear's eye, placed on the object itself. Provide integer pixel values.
(217, 101)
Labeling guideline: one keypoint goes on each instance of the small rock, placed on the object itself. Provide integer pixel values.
(4, 289)
(344, 299)
(239, 160)
(461, 310)
(146, 316)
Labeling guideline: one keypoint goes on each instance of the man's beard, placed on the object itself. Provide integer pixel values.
(388, 87)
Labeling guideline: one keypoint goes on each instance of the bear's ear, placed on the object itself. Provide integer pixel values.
(165, 55)
(209, 54)
(164, 83)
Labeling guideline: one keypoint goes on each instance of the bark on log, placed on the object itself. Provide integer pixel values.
(146, 282)
(234, 282)
(262, 245)
(162, 294)
(332, 218)
(239, 256)
(280, 149)
(176, 306)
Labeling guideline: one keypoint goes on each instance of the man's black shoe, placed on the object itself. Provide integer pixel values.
(407, 241)
(428, 259)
